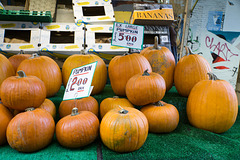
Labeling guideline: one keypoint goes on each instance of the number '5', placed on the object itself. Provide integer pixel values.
(121, 35)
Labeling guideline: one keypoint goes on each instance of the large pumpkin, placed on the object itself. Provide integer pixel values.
(21, 92)
(212, 105)
(45, 69)
(162, 117)
(17, 59)
(5, 118)
(83, 104)
(122, 68)
(49, 106)
(6, 69)
(145, 88)
(110, 103)
(162, 62)
(189, 70)
(124, 130)
(77, 60)
(78, 129)
(30, 131)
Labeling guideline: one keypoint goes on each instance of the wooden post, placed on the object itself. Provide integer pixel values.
(186, 22)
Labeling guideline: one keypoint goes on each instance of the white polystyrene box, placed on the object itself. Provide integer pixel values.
(91, 2)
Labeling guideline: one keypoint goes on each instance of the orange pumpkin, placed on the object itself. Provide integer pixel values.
(5, 118)
(21, 92)
(83, 104)
(124, 130)
(162, 117)
(162, 62)
(189, 70)
(78, 129)
(110, 103)
(77, 60)
(122, 68)
(30, 131)
(17, 59)
(45, 69)
(49, 106)
(145, 88)
(212, 105)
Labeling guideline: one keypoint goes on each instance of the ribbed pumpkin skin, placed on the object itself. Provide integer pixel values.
(212, 105)
(190, 70)
(110, 103)
(122, 68)
(5, 118)
(162, 62)
(49, 106)
(161, 119)
(84, 104)
(21, 93)
(142, 90)
(124, 132)
(45, 69)
(77, 131)
(100, 75)
(17, 59)
(31, 131)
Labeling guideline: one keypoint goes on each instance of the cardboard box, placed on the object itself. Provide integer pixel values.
(17, 36)
(62, 39)
(98, 40)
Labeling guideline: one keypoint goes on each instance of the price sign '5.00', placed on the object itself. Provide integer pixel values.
(79, 82)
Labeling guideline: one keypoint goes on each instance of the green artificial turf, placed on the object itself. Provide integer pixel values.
(185, 142)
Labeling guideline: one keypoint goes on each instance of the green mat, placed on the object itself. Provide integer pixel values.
(186, 142)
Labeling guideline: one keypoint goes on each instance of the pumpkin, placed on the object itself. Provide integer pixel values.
(78, 129)
(212, 105)
(145, 88)
(162, 117)
(77, 60)
(49, 106)
(6, 69)
(122, 68)
(5, 118)
(189, 70)
(21, 92)
(45, 69)
(162, 62)
(110, 103)
(83, 104)
(124, 130)
(30, 131)
(17, 59)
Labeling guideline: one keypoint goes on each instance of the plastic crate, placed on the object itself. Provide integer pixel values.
(25, 15)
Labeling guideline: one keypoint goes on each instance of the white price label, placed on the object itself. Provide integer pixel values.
(127, 35)
(79, 82)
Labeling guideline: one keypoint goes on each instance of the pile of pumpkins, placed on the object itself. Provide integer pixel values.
(27, 116)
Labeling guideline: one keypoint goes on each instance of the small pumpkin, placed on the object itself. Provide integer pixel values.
(124, 130)
(110, 103)
(212, 105)
(78, 129)
(162, 117)
(17, 59)
(5, 118)
(83, 104)
(21, 92)
(122, 68)
(77, 60)
(189, 70)
(49, 106)
(162, 61)
(30, 131)
(45, 69)
(145, 88)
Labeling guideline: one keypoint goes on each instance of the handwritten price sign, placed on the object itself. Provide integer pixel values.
(127, 35)
(79, 82)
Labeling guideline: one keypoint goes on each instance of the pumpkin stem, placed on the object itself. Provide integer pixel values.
(21, 52)
(125, 54)
(34, 55)
(74, 111)
(29, 109)
(212, 76)
(145, 73)
(156, 43)
(83, 52)
(188, 50)
(122, 111)
(115, 97)
(21, 74)
(159, 103)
